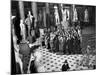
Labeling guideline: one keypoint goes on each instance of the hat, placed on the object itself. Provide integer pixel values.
(65, 61)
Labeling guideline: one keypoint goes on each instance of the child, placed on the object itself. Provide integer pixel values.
(65, 66)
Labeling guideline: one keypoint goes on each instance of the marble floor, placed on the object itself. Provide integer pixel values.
(52, 62)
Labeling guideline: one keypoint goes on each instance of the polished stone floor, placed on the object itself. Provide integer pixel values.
(52, 62)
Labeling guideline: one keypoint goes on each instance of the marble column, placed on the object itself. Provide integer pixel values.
(46, 11)
(21, 10)
(44, 17)
(73, 7)
(34, 11)
(47, 8)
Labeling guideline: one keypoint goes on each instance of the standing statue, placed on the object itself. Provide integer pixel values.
(75, 16)
(30, 16)
(28, 22)
(86, 16)
(56, 15)
(64, 22)
(64, 13)
(23, 30)
(40, 18)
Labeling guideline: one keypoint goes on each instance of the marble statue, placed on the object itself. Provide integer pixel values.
(56, 15)
(23, 29)
(28, 22)
(75, 15)
(86, 16)
(64, 13)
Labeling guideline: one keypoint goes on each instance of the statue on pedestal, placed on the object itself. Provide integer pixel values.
(64, 13)
(23, 30)
(28, 21)
(86, 16)
(30, 16)
(75, 16)
(56, 15)
(64, 17)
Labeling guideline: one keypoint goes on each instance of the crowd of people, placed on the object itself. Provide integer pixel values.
(64, 41)
(55, 38)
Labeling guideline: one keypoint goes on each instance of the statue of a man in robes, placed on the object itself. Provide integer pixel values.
(75, 15)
